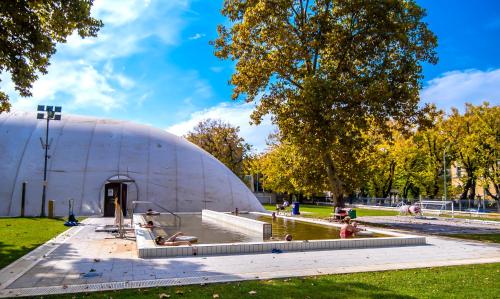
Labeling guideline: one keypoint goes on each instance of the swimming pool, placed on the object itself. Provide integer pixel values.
(219, 236)
(206, 230)
(302, 230)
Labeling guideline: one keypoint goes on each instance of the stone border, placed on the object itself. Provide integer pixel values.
(109, 286)
(244, 224)
(146, 247)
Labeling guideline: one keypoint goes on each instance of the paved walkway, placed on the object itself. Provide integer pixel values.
(112, 263)
(435, 225)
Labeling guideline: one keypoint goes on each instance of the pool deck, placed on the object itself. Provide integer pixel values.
(58, 266)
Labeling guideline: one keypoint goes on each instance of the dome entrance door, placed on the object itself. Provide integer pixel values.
(112, 191)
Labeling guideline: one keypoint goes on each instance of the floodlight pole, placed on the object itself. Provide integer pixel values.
(46, 146)
(444, 172)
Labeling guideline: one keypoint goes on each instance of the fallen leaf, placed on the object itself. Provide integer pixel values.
(215, 296)
(179, 292)
(252, 292)
(163, 295)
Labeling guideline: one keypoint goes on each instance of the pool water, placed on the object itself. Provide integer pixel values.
(209, 231)
(301, 230)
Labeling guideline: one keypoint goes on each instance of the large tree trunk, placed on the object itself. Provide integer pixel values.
(467, 186)
(472, 194)
(390, 179)
(496, 196)
(435, 186)
(334, 181)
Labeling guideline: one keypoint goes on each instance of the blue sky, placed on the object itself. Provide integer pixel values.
(152, 64)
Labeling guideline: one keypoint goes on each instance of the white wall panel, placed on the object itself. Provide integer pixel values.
(85, 152)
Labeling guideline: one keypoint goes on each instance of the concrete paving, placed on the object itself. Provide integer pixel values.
(434, 225)
(89, 261)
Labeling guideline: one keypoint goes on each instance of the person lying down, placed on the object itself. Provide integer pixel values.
(171, 241)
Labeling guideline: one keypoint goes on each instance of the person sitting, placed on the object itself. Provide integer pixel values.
(151, 212)
(348, 230)
(149, 224)
(283, 206)
(171, 240)
(339, 213)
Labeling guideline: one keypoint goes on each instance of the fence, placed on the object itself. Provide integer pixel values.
(458, 205)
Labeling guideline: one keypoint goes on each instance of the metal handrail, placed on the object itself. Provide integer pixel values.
(177, 217)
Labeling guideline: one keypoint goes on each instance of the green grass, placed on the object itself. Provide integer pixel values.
(472, 281)
(313, 211)
(19, 236)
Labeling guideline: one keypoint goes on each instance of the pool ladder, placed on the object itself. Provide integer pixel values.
(177, 218)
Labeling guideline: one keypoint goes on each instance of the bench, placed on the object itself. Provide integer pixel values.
(337, 216)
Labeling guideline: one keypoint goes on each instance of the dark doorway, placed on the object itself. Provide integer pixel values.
(112, 190)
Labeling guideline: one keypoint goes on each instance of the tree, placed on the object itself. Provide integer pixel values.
(324, 68)
(285, 170)
(29, 31)
(475, 136)
(432, 141)
(488, 126)
(222, 141)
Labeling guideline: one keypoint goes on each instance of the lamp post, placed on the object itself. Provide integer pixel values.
(444, 182)
(444, 172)
(48, 113)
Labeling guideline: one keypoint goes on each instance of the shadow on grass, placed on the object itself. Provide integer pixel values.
(9, 253)
(20, 235)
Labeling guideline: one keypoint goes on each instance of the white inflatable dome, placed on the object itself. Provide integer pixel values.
(93, 160)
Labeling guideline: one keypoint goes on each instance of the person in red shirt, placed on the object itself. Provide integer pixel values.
(348, 230)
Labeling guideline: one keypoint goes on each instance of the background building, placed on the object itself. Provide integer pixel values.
(94, 160)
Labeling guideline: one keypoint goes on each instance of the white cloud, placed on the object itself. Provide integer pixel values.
(126, 25)
(81, 73)
(118, 12)
(454, 89)
(196, 36)
(236, 115)
(86, 85)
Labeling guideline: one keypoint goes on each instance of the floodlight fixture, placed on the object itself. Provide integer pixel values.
(48, 113)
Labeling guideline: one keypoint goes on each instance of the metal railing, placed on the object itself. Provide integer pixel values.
(176, 217)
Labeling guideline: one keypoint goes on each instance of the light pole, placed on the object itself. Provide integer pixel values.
(444, 182)
(444, 172)
(49, 113)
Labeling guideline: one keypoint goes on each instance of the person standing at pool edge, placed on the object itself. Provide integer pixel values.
(118, 213)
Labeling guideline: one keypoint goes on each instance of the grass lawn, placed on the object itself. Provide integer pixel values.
(472, 281)
(19, 236)
(314, 211)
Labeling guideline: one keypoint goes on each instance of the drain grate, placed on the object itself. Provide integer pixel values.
(95, 287)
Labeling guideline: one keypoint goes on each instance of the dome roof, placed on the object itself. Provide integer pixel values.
(87, 155)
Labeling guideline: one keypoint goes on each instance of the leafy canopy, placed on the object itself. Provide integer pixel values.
(222, 141)
(324, 68)
(29, 31)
